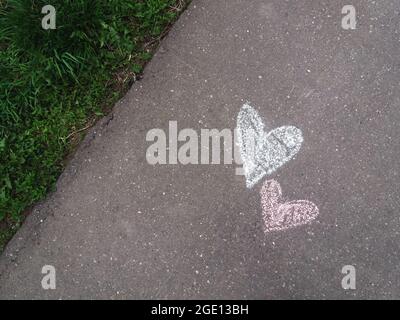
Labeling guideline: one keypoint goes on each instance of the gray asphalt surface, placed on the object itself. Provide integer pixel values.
(120, 228)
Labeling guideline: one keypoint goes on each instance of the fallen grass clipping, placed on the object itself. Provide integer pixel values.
(55, 83)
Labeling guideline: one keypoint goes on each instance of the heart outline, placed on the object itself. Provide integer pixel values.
(278, 215)
(263, 152)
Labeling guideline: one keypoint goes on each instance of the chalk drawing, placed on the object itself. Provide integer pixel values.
(278, 215)
(263, 153)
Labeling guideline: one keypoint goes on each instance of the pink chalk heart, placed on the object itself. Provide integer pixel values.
(278, 215)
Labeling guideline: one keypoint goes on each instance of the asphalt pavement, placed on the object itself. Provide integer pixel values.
(119, 227)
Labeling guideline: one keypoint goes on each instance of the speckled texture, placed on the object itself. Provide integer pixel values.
(119, 228)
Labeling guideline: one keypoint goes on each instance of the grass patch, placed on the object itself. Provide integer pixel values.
(53, 83)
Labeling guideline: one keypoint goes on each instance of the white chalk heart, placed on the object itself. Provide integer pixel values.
(263, 153)
(280, 215)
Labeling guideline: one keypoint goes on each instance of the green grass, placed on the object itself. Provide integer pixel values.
(55, 82)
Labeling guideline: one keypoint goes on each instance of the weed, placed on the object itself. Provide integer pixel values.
(53, 82)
